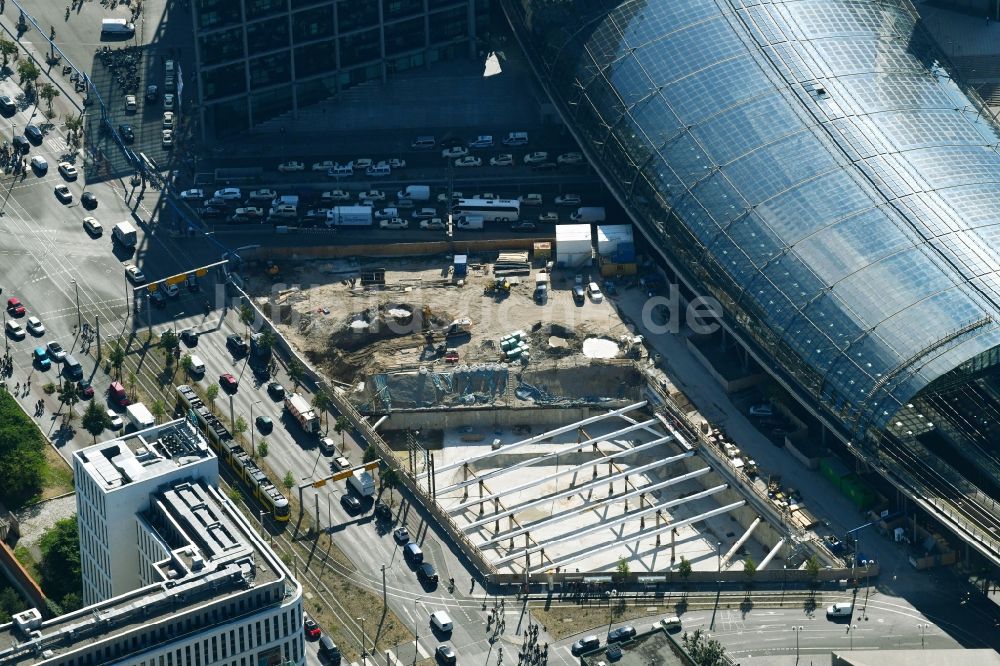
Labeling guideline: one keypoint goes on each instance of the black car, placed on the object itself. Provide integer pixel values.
(413, 553)
(426, 573)
(21, 144)
(350, 503)
(382, 511)
(209, 212)
(7, 104)
(158, 299)
(190, 337)
(264, 424)
(88, 200)
(445, 654)
(523, 226)
(33, 133)
(276, 390)
(579, 295)
(585, 644)
(621, 634)
(215, 202)
(329, 651)
(236, 345)
(192, 282)
(151, 93)
(126, 133)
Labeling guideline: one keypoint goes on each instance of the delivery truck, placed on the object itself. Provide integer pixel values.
(415, 193)
(362, 482)
(124, 233)
(117, 27)
(349, 216)
(302, 412)
(470, 222)
(139, 416)
(588, 214)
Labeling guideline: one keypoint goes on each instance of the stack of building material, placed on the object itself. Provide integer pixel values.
(512, 263)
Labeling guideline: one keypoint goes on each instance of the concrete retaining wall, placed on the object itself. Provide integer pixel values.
(486, 418)
(21, 579)
(320, 251)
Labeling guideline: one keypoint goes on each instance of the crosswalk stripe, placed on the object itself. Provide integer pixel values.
(424, 654)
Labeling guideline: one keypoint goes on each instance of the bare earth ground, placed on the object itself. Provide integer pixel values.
(352, 332)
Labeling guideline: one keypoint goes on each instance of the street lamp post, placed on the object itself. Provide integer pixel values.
(176, 317)
(850, 630)
(923, 628)
(260, 515)
(797, 631)
(253, 445)
(718, 555)
(363, 653)
(79, 318)
(867, 564)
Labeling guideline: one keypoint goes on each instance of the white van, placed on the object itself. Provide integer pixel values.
(117, 26)
(386, 213)
(516, 139)
(197, 365)
(671, 623)
(423, 142)
(841, 609)
(377, 170)
(441, 621)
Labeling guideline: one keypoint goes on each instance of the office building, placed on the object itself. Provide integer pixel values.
(186, 580)
(258, 59)
(813, 166)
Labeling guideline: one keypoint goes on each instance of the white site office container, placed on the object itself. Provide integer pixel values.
(573, 244)
(610, 236)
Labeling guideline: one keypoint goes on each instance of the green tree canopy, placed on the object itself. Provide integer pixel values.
(60, 566)
(29, 73)
(7, 49)
(703, 650)
(95, 419)
(22, 454)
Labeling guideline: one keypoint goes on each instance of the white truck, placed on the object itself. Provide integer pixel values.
(362, 482)
(117, 26)
(589, 214)
(415, 193)
(349, 216)
(302, 411)
(139, 416)
(124, 233)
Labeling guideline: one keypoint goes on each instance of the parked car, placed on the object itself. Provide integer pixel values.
(548, 218)
(454, 151)
(372, 195)
(168, 119)
(130, 104)
(444, 198)
(469, 161)
(397, 163)
(195, 194)
(579, 294)
(167, 138)
(127, 133)
(436, 224)
(325, 165)
(134, 274)
(56, 351)
(427, 573)
(363, 163)
(312, 629)
(570, 158)
(394, 223)
(14, 330)
(531, 200)
(15, 307)
(585, 644)
(523, 225)
(115, 421)
(567, 200)
(288, 167)
(41, 358)
(536, 158)
(502, 160)
(35, 326)
(168, 102)
(401, 535)
(595, 292)
(229, 194)
(621, 634)
(424, 213)
(445, 654)
(334, 196)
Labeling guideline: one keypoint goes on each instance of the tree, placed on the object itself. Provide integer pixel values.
(370, 455)
(8, 49)
(247, 316)
(168, 340)
(29, 73)
(59, 569)
(73, 122)
(684, 568)
(187, 363)
(749, 569)
(116, 355)
(321, 401)
(289, 480)
(235, 496)
(240, 426)
(623, 568)
(212, 392)
(158, 409)
(812, 568)
(48, 92)
(69, 395)
(262, 448)
(267, 339)
(341, 425)
(703, 650)
(389, 479)
(131, 384)
(22, 454)
(296, 372)
(95, 419)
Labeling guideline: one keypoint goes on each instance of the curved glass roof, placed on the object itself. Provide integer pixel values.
(810, 163)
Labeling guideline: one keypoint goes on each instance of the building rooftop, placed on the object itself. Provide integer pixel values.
(214, 553)
(144, 454)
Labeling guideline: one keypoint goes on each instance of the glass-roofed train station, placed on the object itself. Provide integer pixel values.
(814, 166)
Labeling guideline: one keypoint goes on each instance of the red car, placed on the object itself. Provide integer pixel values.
(228, 382)
(312, 629)
(118, 394)
(85, 389)
(15, 308)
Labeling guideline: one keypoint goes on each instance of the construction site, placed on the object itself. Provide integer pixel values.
(537, 429)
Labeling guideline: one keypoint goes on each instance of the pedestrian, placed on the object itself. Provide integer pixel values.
(473, 585)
